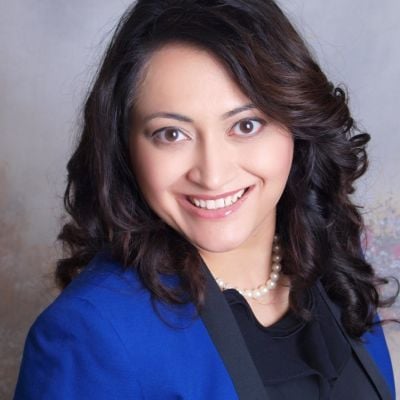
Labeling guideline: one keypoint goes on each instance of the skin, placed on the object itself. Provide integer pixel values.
(211, 155)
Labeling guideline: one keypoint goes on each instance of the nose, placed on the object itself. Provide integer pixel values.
(214, 165)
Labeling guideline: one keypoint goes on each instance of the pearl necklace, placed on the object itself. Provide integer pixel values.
(270, 284)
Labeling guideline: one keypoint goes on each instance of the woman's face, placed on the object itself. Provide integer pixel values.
(210, 164)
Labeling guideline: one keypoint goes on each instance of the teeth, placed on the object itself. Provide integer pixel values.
(210, 204)
(228, 201)
(219, 203)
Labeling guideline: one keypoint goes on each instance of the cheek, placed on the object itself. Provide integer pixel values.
(273, 160)
(153, 170)
(281, 160)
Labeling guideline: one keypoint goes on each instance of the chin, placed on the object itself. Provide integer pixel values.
(218, 245)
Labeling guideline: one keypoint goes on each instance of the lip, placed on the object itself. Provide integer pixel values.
(217, 213)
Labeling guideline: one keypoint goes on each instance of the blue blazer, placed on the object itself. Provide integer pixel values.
(102, 339)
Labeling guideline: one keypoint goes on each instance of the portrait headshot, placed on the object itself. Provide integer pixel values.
(200, 200)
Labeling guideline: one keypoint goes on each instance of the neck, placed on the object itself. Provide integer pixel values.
(246, 266)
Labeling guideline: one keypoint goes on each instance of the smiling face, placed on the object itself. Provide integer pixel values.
(207, 161)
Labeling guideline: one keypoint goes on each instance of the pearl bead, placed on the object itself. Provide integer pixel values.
(220, 282)
(276, 267)
(274, 276)
(271, 284)
(276, 248)
(264, 289)
(276, 258)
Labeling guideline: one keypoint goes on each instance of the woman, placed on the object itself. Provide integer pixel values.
(215, 252)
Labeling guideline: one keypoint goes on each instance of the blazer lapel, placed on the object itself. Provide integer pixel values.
(360, 351)
(225, 333)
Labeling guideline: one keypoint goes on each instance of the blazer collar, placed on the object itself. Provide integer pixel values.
(360, 351)
(225, 333)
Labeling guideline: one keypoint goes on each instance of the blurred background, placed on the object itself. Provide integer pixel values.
(49, 51)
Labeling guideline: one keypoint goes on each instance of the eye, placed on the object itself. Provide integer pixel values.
(248, 126)
(169, 135)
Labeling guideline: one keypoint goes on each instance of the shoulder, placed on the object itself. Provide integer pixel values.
(101, 338)
(101, 288)
(109, 296)
(104, 289)
(111, 299)
(75, 337)
(102, 280)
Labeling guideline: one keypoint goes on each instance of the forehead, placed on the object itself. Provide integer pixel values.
(180, 75)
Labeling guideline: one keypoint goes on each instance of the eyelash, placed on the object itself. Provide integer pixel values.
(258, 120)
(155, 135)
(160, 131)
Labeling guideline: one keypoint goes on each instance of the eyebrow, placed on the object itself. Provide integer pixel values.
(184, 118)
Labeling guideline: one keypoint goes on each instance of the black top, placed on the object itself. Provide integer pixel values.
(294, 357)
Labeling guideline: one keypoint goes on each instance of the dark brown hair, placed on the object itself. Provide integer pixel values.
(320, 227)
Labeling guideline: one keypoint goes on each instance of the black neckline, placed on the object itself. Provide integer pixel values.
(286, 326)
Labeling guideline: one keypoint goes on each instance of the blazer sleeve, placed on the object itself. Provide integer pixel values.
(73, 352)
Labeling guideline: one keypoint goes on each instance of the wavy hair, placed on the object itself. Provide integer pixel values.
(319, 225)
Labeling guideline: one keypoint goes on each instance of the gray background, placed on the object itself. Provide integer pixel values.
(49, 52)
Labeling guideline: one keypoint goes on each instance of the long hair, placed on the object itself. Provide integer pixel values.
(320, 227)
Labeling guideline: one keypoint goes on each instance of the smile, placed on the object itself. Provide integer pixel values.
(217, 203)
